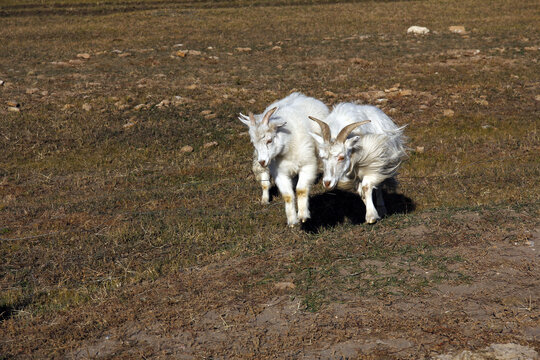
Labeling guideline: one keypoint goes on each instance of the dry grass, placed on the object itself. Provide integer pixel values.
(99, 205)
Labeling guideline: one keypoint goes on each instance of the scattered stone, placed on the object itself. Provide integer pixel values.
(276, 48)
(163, 103)
(186, 149)
(139, 107)
(210, 144)
(13, 109)
(486, 126)
(405, 92)
(252, 101)
(458, 30)
(178, 45)
(417, 30)
(84, 56)
(330, 94)
(495, 351)
(531, 48)
(448, 112)
(392, 89)
(194, 52)
(420, 149)
(87, 107)
(67, 107)
(392, 111)
(206, 112)
(210, 116)
(13, 103)
(31, 91)
(59, 63)
(116, 51)
(124, 55)
(76, 62)
(192, 87)
(243, 49)
(537, 98)
(284, 286)
(482, 102)
(132, 122)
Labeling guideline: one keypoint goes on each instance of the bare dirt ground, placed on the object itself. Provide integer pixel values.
(130, 223)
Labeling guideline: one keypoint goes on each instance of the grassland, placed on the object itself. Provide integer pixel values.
(115, 243)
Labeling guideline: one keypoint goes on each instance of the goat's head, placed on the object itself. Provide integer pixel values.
(264, 135)
(335, 154)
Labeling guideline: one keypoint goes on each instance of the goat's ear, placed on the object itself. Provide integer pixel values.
(245, 119)
(352, 142)
(317, 138)
(277, 124)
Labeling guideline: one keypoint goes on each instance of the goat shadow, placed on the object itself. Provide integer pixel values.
(334, 207)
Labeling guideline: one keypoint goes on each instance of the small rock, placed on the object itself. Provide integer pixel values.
(537, 98)
(194, 52)
(139, 107)
(59, 63)
(276, 48)
(116, 51)
(178, 45)
(252, 101)
(330, 94)
(406, 92)
(417, 30)
(448, 112)
(181, 53)
(84, 56)
(124, 55)
(284, 286)
(420, 149)
(13, 103)
(32, 91)
(67, 107)
(130, 124)
(76, 62)
(210, 144)
(13, 109)
(163, 103)
(392, 111)
(458, 30)
(192, 87)
(210, 116)
(482, 102)
(186, 149)
(486, 126)
(206, 112)
(87, 107)
(531, 48)
(243, 49)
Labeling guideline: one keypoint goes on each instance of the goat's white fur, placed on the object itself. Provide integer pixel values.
(284, 149)
(370, 154)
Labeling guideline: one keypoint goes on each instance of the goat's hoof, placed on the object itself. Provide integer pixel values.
(371, 221)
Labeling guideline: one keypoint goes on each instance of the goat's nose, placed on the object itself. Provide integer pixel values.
(326, 183)
(262, 162)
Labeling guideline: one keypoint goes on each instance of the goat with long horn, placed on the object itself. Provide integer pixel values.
(360, 157)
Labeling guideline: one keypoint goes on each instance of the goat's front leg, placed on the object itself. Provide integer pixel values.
(366, 192)
(263, 176)
(306, 177)
(284, 184)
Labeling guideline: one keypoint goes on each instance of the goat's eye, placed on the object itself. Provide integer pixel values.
(341, 157)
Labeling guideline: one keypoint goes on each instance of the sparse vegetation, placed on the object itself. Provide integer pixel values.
(115, 242)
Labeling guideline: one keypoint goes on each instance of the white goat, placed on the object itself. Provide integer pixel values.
(285, 149)
(360, 159)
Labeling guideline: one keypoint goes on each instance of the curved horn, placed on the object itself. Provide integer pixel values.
(266, 117)
(251, 118)
(325, 129)
(344, 133)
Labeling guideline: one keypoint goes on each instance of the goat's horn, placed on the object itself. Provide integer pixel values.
(251, 118)
(267, 116)
(325, 129)
(344, 133)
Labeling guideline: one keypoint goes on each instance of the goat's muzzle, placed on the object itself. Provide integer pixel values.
(263, 163)
(327, 184)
